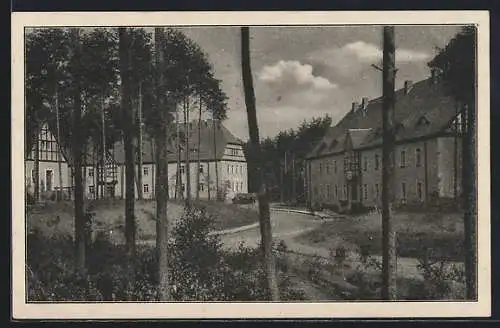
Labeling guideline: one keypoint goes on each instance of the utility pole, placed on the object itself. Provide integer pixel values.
(293, 177)
(388, 117)
(282, 196)
(60, 194)
(139, 145)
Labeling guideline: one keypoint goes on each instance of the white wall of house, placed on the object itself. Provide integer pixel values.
(411, 173)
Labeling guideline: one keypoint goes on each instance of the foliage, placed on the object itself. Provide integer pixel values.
(200, 268)
(295, 143)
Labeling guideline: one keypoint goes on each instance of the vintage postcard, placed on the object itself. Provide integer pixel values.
(250, 165)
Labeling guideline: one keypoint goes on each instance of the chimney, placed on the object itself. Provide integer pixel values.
(408, 85)
(364, 103)
(434, 74)
(355, 106)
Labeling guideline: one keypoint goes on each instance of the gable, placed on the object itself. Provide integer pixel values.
(48, 146)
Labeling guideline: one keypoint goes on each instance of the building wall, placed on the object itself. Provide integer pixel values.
(414, 181)
(44, 167)
(232, 175)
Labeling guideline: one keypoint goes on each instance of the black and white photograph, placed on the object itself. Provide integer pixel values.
(310, 165)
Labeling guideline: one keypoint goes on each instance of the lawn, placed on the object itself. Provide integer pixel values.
(58, 218)
(442, 233)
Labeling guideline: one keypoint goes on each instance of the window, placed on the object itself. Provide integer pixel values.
(182, 169)
(91, 171)
(231, 169)
(345, 191)
(336, 192)
(403, 159)
(377, 161)
(145, 188)
(201, 187)
(327, 168)
(91, 189)
(33, 176)
(328, 191)
(418, 160)
(201, 168)
(403, 191)
(334, 166)
(320, 168)
(419, 191)
(377, 195)
(145, 170)
(365, 192)
(365, 163)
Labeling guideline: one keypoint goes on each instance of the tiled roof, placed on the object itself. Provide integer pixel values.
(207, 152)
(427, 103)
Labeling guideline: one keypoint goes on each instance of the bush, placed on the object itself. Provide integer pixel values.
(200, 270)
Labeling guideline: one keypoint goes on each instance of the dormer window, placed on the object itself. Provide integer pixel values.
(423, 121)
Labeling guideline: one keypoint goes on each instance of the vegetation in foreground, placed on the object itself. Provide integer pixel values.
(108, 217)
(441, 235)
(200, 269)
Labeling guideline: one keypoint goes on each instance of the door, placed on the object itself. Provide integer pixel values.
(49, 175)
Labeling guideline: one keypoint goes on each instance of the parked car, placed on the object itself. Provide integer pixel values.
(245, 198)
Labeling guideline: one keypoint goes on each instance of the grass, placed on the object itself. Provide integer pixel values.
(58, 218)
(443, 233)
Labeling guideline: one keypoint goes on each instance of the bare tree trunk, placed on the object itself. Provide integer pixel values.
(388, 233)
(187, 152)
(198, 154)
(178, 176)
(128, 142)
(264, 217)
(469, 176)
(162, 178)
(59, 164)
(36, 165)
(80, 219)
(216, 160)
(139, 146)
(104, 173)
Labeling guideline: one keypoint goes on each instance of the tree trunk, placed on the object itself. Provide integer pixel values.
(128, 142)
(162, 179)
(59, 164)
(264, 214)
(139, 146)
(80, 219)
(216, 160)
(103, 123)
(178, 175)
(388, 233)
(198, 154)
(36, 165)
(96, 170)
(469, 176)
(187, 152)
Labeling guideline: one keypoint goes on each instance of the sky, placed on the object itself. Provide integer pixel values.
(305, 72)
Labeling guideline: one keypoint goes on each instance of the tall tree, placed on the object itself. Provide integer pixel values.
(128, 141)
(161, 137)
(80, 220)
(388, 124)
(455, 65)
(264, 213)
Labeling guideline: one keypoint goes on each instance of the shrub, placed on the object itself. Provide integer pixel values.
(200, 270)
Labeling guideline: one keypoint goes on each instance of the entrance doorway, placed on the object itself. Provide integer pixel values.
(49, 176)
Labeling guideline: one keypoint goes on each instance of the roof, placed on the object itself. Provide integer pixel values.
(424, 111)
(223, 137)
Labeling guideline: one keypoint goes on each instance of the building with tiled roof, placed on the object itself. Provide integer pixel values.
(345, 168)
(217, 145)
(227, 153)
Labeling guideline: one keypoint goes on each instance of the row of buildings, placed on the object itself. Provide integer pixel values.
(345, 168)
(218, 149)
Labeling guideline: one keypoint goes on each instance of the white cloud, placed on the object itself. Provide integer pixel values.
(293, 74)
(355, 56)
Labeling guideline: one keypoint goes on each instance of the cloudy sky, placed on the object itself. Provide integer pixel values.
(305, 72)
